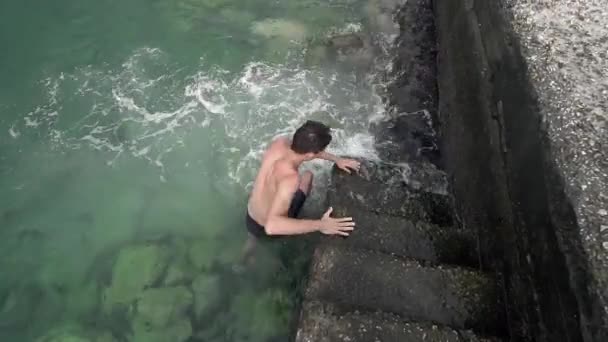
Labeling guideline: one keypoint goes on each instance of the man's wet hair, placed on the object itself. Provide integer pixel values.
(313, 137)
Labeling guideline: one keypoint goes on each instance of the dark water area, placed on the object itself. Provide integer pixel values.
(130, 133)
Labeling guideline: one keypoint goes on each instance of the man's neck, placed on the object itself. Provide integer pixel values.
(294, 158)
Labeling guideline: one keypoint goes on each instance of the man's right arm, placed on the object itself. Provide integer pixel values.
(278, 223)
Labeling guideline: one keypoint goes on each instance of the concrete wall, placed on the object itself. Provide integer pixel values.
(525, 149)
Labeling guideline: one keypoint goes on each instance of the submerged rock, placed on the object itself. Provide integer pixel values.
(180, 270)
(82, 301)
(136, 268)
(161, 307)
(351, 50)
(72, 332)
(282, 28)
(206, 290)
(261, 316)
(178, 273)
(346, 42)
(18, 305)
(14, 309)
(213, 3)
(177, 332)
(202, 254)
(201, 5)
(277, 49)
(317, 55)
(236, 17)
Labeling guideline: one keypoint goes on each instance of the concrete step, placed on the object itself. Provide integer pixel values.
(359, 279)
(400, 236)
(395, 192)
(322, 322)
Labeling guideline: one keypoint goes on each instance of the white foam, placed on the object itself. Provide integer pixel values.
(149, 116)
(208, 92)
(14, 133)
(29, 122)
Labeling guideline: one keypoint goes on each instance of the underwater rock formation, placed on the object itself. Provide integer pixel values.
(73, 332)
(161, 314)
(206, 290)
(280, 28)
(136, 268)
(350, 51)
(160, 307)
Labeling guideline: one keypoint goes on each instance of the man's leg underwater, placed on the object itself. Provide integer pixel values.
(300, 196)
(248, 249)
(247, 254)
(306, 183)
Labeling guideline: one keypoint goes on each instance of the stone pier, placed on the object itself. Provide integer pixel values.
(488, 217)
(407, 273)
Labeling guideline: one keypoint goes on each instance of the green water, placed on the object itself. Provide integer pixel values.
(137, 123)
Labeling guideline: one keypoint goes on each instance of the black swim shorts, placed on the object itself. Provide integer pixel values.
(296, 205)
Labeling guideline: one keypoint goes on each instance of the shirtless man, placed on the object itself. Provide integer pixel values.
(279, 192)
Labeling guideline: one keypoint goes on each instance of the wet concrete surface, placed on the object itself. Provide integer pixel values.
(394, 198)
(402, 237)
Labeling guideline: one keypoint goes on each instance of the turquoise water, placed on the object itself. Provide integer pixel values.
(138, 123)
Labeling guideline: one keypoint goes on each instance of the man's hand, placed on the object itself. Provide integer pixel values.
(348, 165)
(336, 226)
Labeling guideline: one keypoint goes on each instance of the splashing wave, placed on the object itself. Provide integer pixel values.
(149, 109)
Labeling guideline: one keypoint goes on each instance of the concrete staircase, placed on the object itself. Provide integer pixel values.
(407, 273)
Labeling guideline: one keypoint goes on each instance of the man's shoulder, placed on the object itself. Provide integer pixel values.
(277, 148)
(281, 140)
(288, 181)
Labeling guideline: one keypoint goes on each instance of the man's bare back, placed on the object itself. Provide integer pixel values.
(273, 170)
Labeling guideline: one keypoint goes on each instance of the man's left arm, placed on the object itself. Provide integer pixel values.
(342, 163)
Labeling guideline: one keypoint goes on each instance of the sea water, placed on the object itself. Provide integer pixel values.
(129, 124)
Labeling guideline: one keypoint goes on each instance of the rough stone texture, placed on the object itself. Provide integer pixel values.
(411, 90)
(419, 176)
(367, 202)
(389, 280)
(206, 288)
(72, 332)
(325, 323)
(565, 44)
(374, 281)
(406, 138)
(178, 273)
(401, 236)
(136, 268)
(523, 112)
(179, 331)
(393, 197)
(413, 87)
